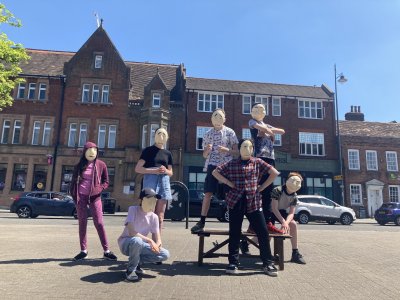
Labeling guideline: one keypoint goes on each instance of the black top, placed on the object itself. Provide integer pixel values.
(156, 157)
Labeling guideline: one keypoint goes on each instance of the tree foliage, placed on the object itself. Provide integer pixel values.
(11, 56)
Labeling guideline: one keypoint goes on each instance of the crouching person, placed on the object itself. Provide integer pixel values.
(133, 242)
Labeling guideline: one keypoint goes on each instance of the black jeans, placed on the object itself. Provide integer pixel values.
(257, 222)
(266, 193)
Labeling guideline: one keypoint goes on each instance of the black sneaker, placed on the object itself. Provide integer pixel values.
(298, 258)
(270, 270)
(244, 247)
(198, 227)
(131, 276)
(109, 256)
(231, 269)
(81, 255)
(139, 270)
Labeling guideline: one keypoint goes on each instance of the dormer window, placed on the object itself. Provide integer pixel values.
(98, 61)
(156, 100)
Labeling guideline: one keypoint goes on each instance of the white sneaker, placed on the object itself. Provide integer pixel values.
(131, 276)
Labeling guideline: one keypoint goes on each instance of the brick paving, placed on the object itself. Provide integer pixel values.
(356, 262)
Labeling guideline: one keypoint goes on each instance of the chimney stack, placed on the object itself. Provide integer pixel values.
(355, 114)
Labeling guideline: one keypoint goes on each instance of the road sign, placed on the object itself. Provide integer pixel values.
(338, 177)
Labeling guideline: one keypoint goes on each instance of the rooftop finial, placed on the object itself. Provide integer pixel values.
(98, 19)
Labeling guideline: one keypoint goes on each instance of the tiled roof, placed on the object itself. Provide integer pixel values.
(369, 129)
(245, 87)
(143, 73)
(44, 62)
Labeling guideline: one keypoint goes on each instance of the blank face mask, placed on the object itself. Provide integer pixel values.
(149, 204)
(293, 183)
(91, 154)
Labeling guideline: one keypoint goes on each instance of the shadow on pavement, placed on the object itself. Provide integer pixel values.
(190, 268)
(105, 277)
(32, 261)
(91, 262)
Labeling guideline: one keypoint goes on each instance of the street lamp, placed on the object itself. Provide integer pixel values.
(341, 79)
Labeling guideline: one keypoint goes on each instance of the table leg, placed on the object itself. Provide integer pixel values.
(201, 250)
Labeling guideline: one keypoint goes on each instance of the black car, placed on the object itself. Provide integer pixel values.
(33, 204)
(218, 208)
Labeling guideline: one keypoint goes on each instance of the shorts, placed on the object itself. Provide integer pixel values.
(284, 215)
(159, 183)
(212, 185)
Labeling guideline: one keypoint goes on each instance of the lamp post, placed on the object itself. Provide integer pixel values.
(339, 78)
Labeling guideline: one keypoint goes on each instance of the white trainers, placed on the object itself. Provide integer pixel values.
(131, 276)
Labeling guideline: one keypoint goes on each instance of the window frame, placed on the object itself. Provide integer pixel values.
(144, 136)
(246, 104)
(15, 129)
(274, 105)
(98, 59)
(21, 87)
(153, 102)
(310, 109)
(83, 134)
(31, 89)
(310, 147)
(85, 92)
(95, 93)
(105, 93)
(42, 91)
(394, 198)
(369, 161)
(277, 139)
(202, 130)
(395, 161)
(37, 125)
(210, 101)
(46, 133)
(353, 187)
(352, 163)
(72, 134)
(5, 132)
(246, 134)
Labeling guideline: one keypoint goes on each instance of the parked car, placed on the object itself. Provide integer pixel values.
(388, 212)
(33, 204)
(218, 208)
(314, 207)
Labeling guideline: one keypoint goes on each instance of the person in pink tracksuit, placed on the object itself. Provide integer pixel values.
(89, 179)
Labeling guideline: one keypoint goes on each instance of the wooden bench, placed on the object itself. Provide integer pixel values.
(278, 244)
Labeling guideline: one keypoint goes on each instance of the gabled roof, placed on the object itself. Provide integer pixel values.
(246, 87)
(46, 62)
(369, 129)
(143, 73)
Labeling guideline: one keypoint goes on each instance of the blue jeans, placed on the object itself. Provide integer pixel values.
(139, 251)
(159, 183)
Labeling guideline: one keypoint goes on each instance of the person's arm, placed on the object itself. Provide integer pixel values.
(264, 128)
(223, 179)
(104, 177)
(276, 130)
(273, 173)
(157, 238)
(290, 214)
(142, 170)
(275, 210)
(133, 233)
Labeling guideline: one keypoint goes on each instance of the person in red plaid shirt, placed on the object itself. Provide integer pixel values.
(242, 175)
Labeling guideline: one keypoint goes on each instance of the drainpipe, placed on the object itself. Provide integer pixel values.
(55, 153)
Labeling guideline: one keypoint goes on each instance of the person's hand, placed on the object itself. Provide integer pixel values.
(208, 148)
(259, 189)
(222, 149)
(285, 227)
(154, 247)
(162, 170)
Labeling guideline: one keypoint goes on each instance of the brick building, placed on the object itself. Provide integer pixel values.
(371, 164)
(93, 94)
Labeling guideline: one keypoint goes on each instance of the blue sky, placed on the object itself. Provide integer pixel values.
(276, 41)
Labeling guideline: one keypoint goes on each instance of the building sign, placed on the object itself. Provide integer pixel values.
(338, 177)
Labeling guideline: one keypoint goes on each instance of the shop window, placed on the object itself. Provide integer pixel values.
(19, 177)
(3, 173)
(66, 178)
(111, 177)
(39, 178)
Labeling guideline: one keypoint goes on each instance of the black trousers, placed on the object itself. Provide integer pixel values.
(266, 194)
(257, 222)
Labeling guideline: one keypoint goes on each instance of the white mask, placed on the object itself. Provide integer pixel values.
(218, 119)
(246, 150)
(161, 136)
(91, 154)
(149, 204)
(293, 184)
(258, 112)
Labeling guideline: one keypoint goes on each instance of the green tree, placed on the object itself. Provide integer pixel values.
(11, 56)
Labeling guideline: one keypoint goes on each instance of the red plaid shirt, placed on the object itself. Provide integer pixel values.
(245, 175)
